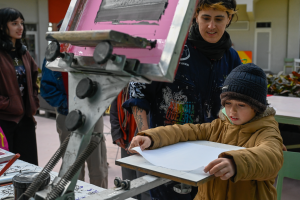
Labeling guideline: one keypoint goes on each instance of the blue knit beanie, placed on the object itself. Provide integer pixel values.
(246, 83)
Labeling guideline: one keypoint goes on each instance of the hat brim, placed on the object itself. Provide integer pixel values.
(256, 105)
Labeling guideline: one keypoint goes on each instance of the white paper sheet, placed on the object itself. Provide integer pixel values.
(182, 156)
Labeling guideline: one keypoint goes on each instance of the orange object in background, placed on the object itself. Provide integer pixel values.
(9, 164)
(245, 56)
(57, 9)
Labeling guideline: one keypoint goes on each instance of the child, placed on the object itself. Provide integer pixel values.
(245, 121)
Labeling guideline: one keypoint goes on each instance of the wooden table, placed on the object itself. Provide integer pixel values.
(287, 109)
(137, 162)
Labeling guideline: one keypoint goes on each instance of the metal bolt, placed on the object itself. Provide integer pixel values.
(69, 198)
(117, 181)
(125, 184)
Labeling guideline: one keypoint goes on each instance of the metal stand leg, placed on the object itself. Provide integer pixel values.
(182, 188)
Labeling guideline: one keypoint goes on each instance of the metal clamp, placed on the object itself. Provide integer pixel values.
(182, 188)
(125, 184)
(120, 184)
(117, 181)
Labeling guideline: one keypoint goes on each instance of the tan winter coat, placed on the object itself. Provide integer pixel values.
(256, 167)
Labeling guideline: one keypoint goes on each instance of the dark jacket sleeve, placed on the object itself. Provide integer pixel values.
(34, 77)
(52, 89)
(116, 132)
(4, 102)
(141, 95)
(35, 87)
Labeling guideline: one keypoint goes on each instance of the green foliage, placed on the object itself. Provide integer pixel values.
(282, 85)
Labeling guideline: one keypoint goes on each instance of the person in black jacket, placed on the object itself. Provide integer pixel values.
(194, 96)
(122, 130)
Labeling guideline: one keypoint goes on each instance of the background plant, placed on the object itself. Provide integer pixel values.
(284, 85)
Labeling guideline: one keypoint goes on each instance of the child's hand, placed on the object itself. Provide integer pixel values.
(284, 148)
(221, 167)
(142, 141)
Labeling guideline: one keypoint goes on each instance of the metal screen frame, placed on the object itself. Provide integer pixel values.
(165, 70)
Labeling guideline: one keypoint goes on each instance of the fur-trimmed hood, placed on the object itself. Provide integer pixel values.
(270, 111)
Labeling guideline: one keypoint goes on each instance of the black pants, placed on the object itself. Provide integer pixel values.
(131, 175)
(21, 138)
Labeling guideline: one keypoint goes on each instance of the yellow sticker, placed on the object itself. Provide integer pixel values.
(2, 139)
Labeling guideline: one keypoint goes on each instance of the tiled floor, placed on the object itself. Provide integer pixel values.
(48, 142)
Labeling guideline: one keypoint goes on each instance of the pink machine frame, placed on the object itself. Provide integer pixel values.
(170, 32)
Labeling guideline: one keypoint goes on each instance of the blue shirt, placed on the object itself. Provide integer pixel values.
(53, 89)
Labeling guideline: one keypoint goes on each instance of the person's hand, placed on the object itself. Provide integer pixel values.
(221, 167)
(284, 148)
(120, 143)
(142, 141)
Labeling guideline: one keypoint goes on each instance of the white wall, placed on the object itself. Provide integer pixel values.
(35, 12)
(274, 11)
(243, 40)
(294, 29)
(27, 7)
(42, 28)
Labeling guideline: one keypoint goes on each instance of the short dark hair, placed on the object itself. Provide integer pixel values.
(229, 4)
(9, 15)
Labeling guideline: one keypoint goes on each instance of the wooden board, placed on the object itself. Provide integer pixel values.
(137, 162)
(93, 38)
(287, 109)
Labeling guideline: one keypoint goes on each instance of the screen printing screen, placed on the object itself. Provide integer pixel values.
(150, 19)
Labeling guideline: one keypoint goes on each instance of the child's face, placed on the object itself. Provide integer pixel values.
(239, 112)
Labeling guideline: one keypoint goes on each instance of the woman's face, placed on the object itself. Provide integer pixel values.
(212, 24)
(15, 29)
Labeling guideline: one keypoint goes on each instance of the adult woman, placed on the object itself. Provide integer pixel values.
(194, 96)
(18, 88)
